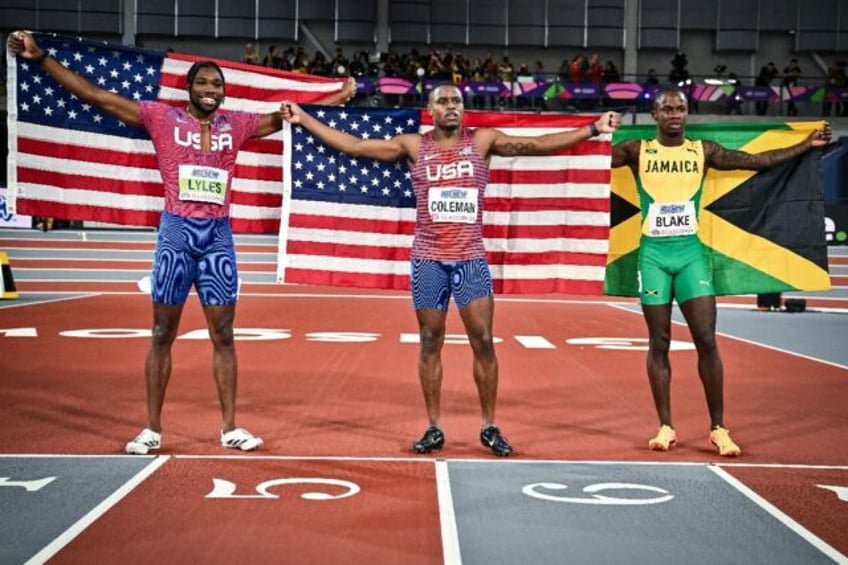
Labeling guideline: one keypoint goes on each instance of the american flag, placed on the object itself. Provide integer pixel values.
(350, 222)
(70, 160)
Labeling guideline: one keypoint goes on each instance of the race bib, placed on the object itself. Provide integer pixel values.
(203, 184)
(672, 218)
(454, 205)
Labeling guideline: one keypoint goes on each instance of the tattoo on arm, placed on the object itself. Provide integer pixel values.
(728, 159)
(511, 149)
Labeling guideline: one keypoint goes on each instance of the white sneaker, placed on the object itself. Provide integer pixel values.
(242, 439)
(146, 441)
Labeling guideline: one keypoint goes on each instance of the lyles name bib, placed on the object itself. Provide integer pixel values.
(203, 184)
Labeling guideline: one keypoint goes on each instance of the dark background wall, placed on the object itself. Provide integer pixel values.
(635, 34)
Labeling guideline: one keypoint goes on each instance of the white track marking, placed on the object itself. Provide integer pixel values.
(756, 343)
(77, 528)
(447, 517)
(783, 518)
(74, 296)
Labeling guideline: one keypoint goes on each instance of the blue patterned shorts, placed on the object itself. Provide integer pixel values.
(433, 282)
(197, 252)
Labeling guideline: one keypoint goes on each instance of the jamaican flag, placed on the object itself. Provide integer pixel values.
(763, 230)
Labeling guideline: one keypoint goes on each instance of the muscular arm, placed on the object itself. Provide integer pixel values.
(273, 121)
(399, 147)
(495, 142)
(124, 109)
(626, 153)
(341, 96)
(269, 123)
(724, 159)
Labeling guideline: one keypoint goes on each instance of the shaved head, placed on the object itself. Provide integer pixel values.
(432, 95)
(662, 95)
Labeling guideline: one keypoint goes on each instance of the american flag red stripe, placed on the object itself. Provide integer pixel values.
(360, 225)
(498, 203)
(558, 177)
(544, 232)
(350, 251)
(546, 219)
(64, 164)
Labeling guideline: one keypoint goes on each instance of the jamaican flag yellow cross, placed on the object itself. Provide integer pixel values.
(763, 230)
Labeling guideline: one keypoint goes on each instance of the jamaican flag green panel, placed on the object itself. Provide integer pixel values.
(764, 231)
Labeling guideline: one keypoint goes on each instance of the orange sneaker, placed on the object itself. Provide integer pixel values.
(720, 438)
(664, 439)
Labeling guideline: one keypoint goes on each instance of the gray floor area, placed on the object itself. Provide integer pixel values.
(560, 513)
(42, 498)
(800, 333)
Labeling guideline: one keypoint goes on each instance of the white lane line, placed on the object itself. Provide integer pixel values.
(447, 518)
(428, 460)
(786, 351)
(73, 296)
(781, 517)
(756, 343)
(76, 529)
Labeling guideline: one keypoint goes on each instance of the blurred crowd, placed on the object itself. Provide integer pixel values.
(450, 64)
(447, 64)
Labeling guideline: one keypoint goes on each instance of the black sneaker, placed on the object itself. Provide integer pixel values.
(491, 437)
(432, 440)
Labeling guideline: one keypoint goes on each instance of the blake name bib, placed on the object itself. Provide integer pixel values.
(672, 218)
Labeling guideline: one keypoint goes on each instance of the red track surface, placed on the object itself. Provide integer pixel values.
(312, 394)
(173, 521)
(311, 397)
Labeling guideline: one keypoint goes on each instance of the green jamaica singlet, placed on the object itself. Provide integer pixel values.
(672, 263)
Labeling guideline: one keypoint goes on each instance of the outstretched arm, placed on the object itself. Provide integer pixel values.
(394, 149)
(22, 44)
(273, 121)
(342, 96)
(626, 153)
(724, 159)
(495, 142)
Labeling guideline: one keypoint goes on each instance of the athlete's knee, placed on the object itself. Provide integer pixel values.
(483, 344)
(659, 344)
(163, 335)
(705, 343)
(430, 340)
(223, 335)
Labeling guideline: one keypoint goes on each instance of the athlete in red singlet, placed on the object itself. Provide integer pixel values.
(197, 148)
(450, 170)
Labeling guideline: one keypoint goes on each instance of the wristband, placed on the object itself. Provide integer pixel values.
(593, 129)
(40, 60)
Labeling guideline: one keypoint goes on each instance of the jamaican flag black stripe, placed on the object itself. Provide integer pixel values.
(764, 231)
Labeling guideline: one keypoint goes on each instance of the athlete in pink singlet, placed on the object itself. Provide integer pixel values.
(197, 182)
(450, 170)
(197, 148)
(449, 222)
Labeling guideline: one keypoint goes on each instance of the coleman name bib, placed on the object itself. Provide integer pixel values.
(456, 205)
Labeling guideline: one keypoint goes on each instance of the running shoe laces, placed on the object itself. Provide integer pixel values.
(146, 441)
(432, 440)
(720, 438)
(240, 438)
(491, 437)
(665, 438)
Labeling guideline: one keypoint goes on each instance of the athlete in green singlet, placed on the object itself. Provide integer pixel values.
(669, 172)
